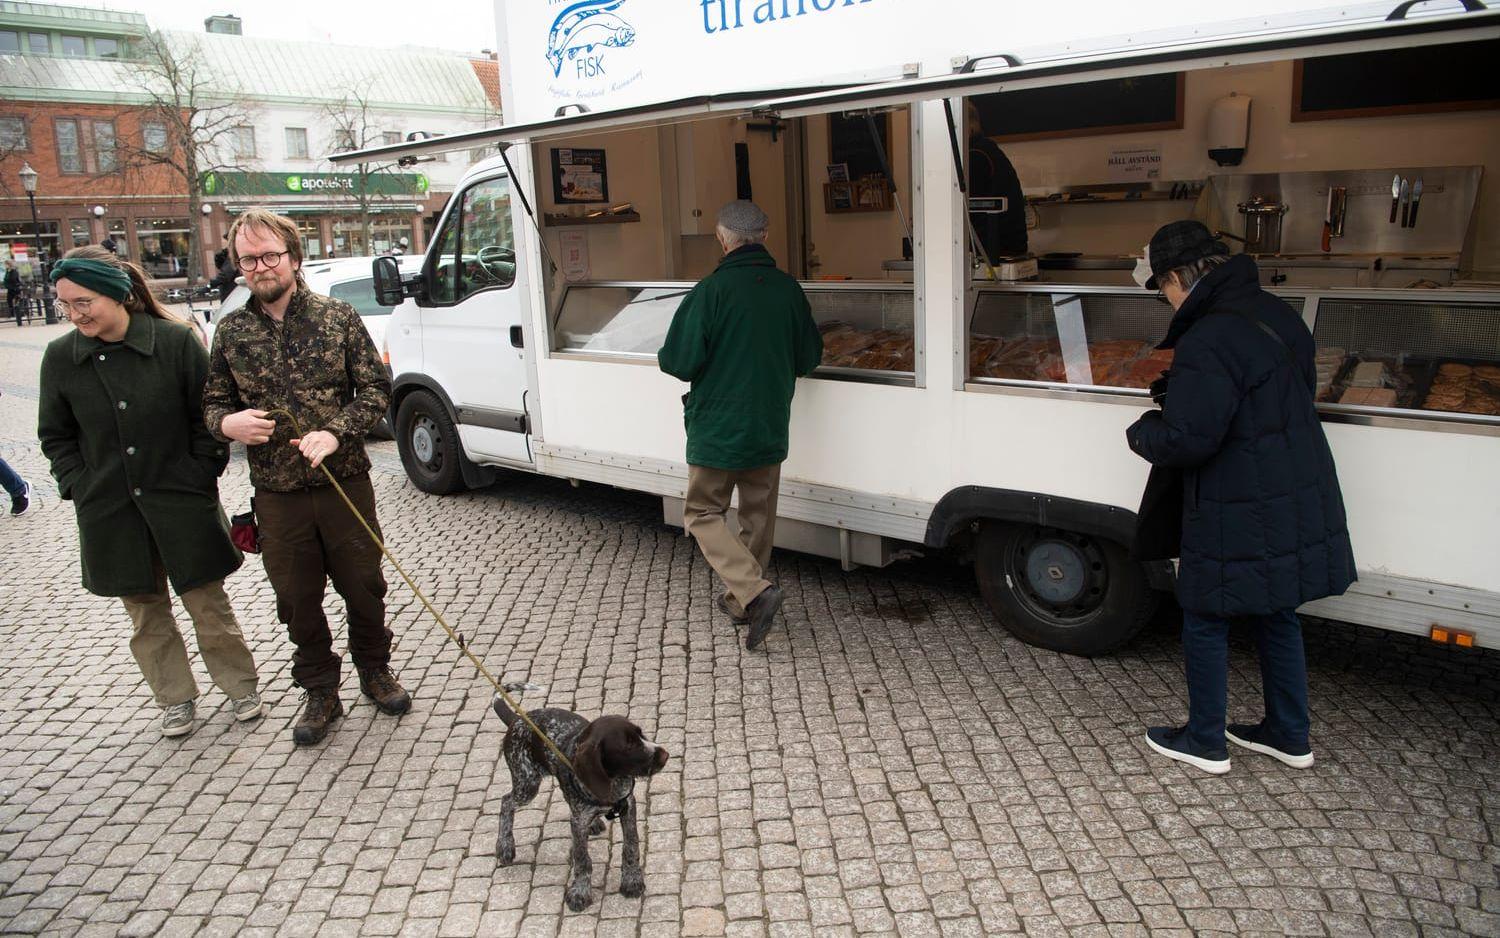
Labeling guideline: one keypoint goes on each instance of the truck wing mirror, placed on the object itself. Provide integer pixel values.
(388, 290)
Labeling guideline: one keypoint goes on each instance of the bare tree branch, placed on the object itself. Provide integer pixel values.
(186, 97)
(356, 126)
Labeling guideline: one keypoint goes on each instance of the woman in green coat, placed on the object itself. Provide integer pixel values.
(121, 420)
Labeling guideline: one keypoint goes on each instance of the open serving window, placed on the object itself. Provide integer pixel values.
(629, 218)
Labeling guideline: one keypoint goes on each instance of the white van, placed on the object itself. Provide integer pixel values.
(966, 407)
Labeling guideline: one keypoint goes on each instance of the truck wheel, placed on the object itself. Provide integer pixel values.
(429, 444)
(1062, 590)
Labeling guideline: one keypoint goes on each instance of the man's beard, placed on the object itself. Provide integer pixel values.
(269, 291)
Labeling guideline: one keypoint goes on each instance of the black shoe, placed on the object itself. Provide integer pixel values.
(381, 686)
(724, 607)
(762, 612)
(21, 504)
(1253, 736)
(1173, 742)
(322, 708)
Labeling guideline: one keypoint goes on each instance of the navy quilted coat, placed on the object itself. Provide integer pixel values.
(1263, 524)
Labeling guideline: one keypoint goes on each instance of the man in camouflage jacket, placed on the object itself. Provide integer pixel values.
(293, 350)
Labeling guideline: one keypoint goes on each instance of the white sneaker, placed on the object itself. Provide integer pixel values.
(247, 707)
(178, 720)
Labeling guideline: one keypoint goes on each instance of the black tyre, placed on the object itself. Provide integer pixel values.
(1062, 590)
(429, 444)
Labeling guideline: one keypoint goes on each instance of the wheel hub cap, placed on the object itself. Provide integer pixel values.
(1056, 571)
(422, 442)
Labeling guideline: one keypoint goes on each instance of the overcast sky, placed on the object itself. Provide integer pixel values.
(465, 26)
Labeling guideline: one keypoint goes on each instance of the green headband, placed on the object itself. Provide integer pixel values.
(99, 276)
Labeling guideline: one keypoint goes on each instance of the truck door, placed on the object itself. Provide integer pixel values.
(471, 323)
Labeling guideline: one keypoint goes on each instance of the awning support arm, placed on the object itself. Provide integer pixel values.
(885, 167)
(963, 190)
(525, 204)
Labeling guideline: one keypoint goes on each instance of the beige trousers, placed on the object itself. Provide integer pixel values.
(162, 655)
(740, 559)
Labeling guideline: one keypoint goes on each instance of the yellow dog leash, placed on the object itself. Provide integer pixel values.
(458, 640)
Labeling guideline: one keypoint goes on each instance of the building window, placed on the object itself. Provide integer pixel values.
(38, 44)
(390, 137)
(242, 142)
(79, 228)
(104, 146)
(310, 231)
(164, 245)
(69, 154)
(22, 238)
(154, 136)
(115, 231)
(10, 40)
(85, 146)
(13, 135)
(343, 140)
(296, 143)
(74, 45)
(107, 48)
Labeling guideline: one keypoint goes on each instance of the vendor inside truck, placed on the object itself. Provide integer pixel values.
(1001, 233)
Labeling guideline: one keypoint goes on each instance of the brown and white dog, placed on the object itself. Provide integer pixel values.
(608, 755)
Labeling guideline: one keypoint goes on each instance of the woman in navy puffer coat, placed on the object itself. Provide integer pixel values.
(1263, 524)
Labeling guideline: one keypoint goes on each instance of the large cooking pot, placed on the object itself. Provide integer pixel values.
(1262, 225)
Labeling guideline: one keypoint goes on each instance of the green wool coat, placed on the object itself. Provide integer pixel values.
(741, 338)
(123, 427)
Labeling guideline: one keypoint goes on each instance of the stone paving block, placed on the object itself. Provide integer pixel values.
(894, 763)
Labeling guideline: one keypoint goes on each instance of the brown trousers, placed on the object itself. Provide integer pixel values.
(308, 537)
(159, 650)
(740, 559)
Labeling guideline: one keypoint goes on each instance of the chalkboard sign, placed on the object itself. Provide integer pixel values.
(1460, 76)
(1124, 105)
(850, 142)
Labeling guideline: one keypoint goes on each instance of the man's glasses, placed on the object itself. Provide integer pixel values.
(268, 260)
(79, 307)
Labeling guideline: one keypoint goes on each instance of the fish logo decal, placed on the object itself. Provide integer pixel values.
(585, 26)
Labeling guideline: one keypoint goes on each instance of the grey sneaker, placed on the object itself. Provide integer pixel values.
(178, 720)
(247, 707)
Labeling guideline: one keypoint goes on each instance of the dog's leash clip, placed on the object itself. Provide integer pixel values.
(617, 809)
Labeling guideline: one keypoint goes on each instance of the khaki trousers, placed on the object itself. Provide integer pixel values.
(161, 653)
(740, 559)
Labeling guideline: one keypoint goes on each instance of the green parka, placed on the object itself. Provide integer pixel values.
(122, 425)
(741, 338)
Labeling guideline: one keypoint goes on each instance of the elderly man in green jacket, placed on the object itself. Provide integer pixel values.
(741, 338)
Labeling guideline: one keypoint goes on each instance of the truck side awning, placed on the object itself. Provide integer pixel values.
(1239, 43)
(629, 118)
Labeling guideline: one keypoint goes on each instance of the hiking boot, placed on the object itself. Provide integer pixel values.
(381, 686)
(1253, 736)
(322, 708)
(178, 719)
(762, 613)
(247, 707)
(20, 504)
(1173, 742)
(738, 618)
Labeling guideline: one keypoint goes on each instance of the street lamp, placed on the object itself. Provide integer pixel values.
(28, 182)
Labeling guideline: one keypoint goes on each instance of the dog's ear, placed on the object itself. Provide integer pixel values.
(588, 765)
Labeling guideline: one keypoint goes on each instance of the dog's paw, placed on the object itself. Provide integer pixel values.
(596, 828)
(632, 886)
(579, 899)
(505, 854)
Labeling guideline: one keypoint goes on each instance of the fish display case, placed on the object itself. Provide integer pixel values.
(868, 328)
(1393, 355)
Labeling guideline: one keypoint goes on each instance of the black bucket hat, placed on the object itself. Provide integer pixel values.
(1178, 244)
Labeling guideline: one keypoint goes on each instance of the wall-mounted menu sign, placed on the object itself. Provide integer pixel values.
(578, 175)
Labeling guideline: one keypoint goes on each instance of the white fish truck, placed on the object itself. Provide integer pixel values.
(972, 403)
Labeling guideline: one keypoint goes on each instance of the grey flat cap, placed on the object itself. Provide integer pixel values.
(744, 217)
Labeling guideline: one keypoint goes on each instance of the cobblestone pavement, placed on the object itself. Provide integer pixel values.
(892, 764)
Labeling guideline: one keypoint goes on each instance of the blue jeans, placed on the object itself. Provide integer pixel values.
(11, 482)
(1283, 673)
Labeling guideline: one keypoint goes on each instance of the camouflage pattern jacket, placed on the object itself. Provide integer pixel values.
(318, 363)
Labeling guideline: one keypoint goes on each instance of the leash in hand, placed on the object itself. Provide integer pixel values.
(453, 636)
